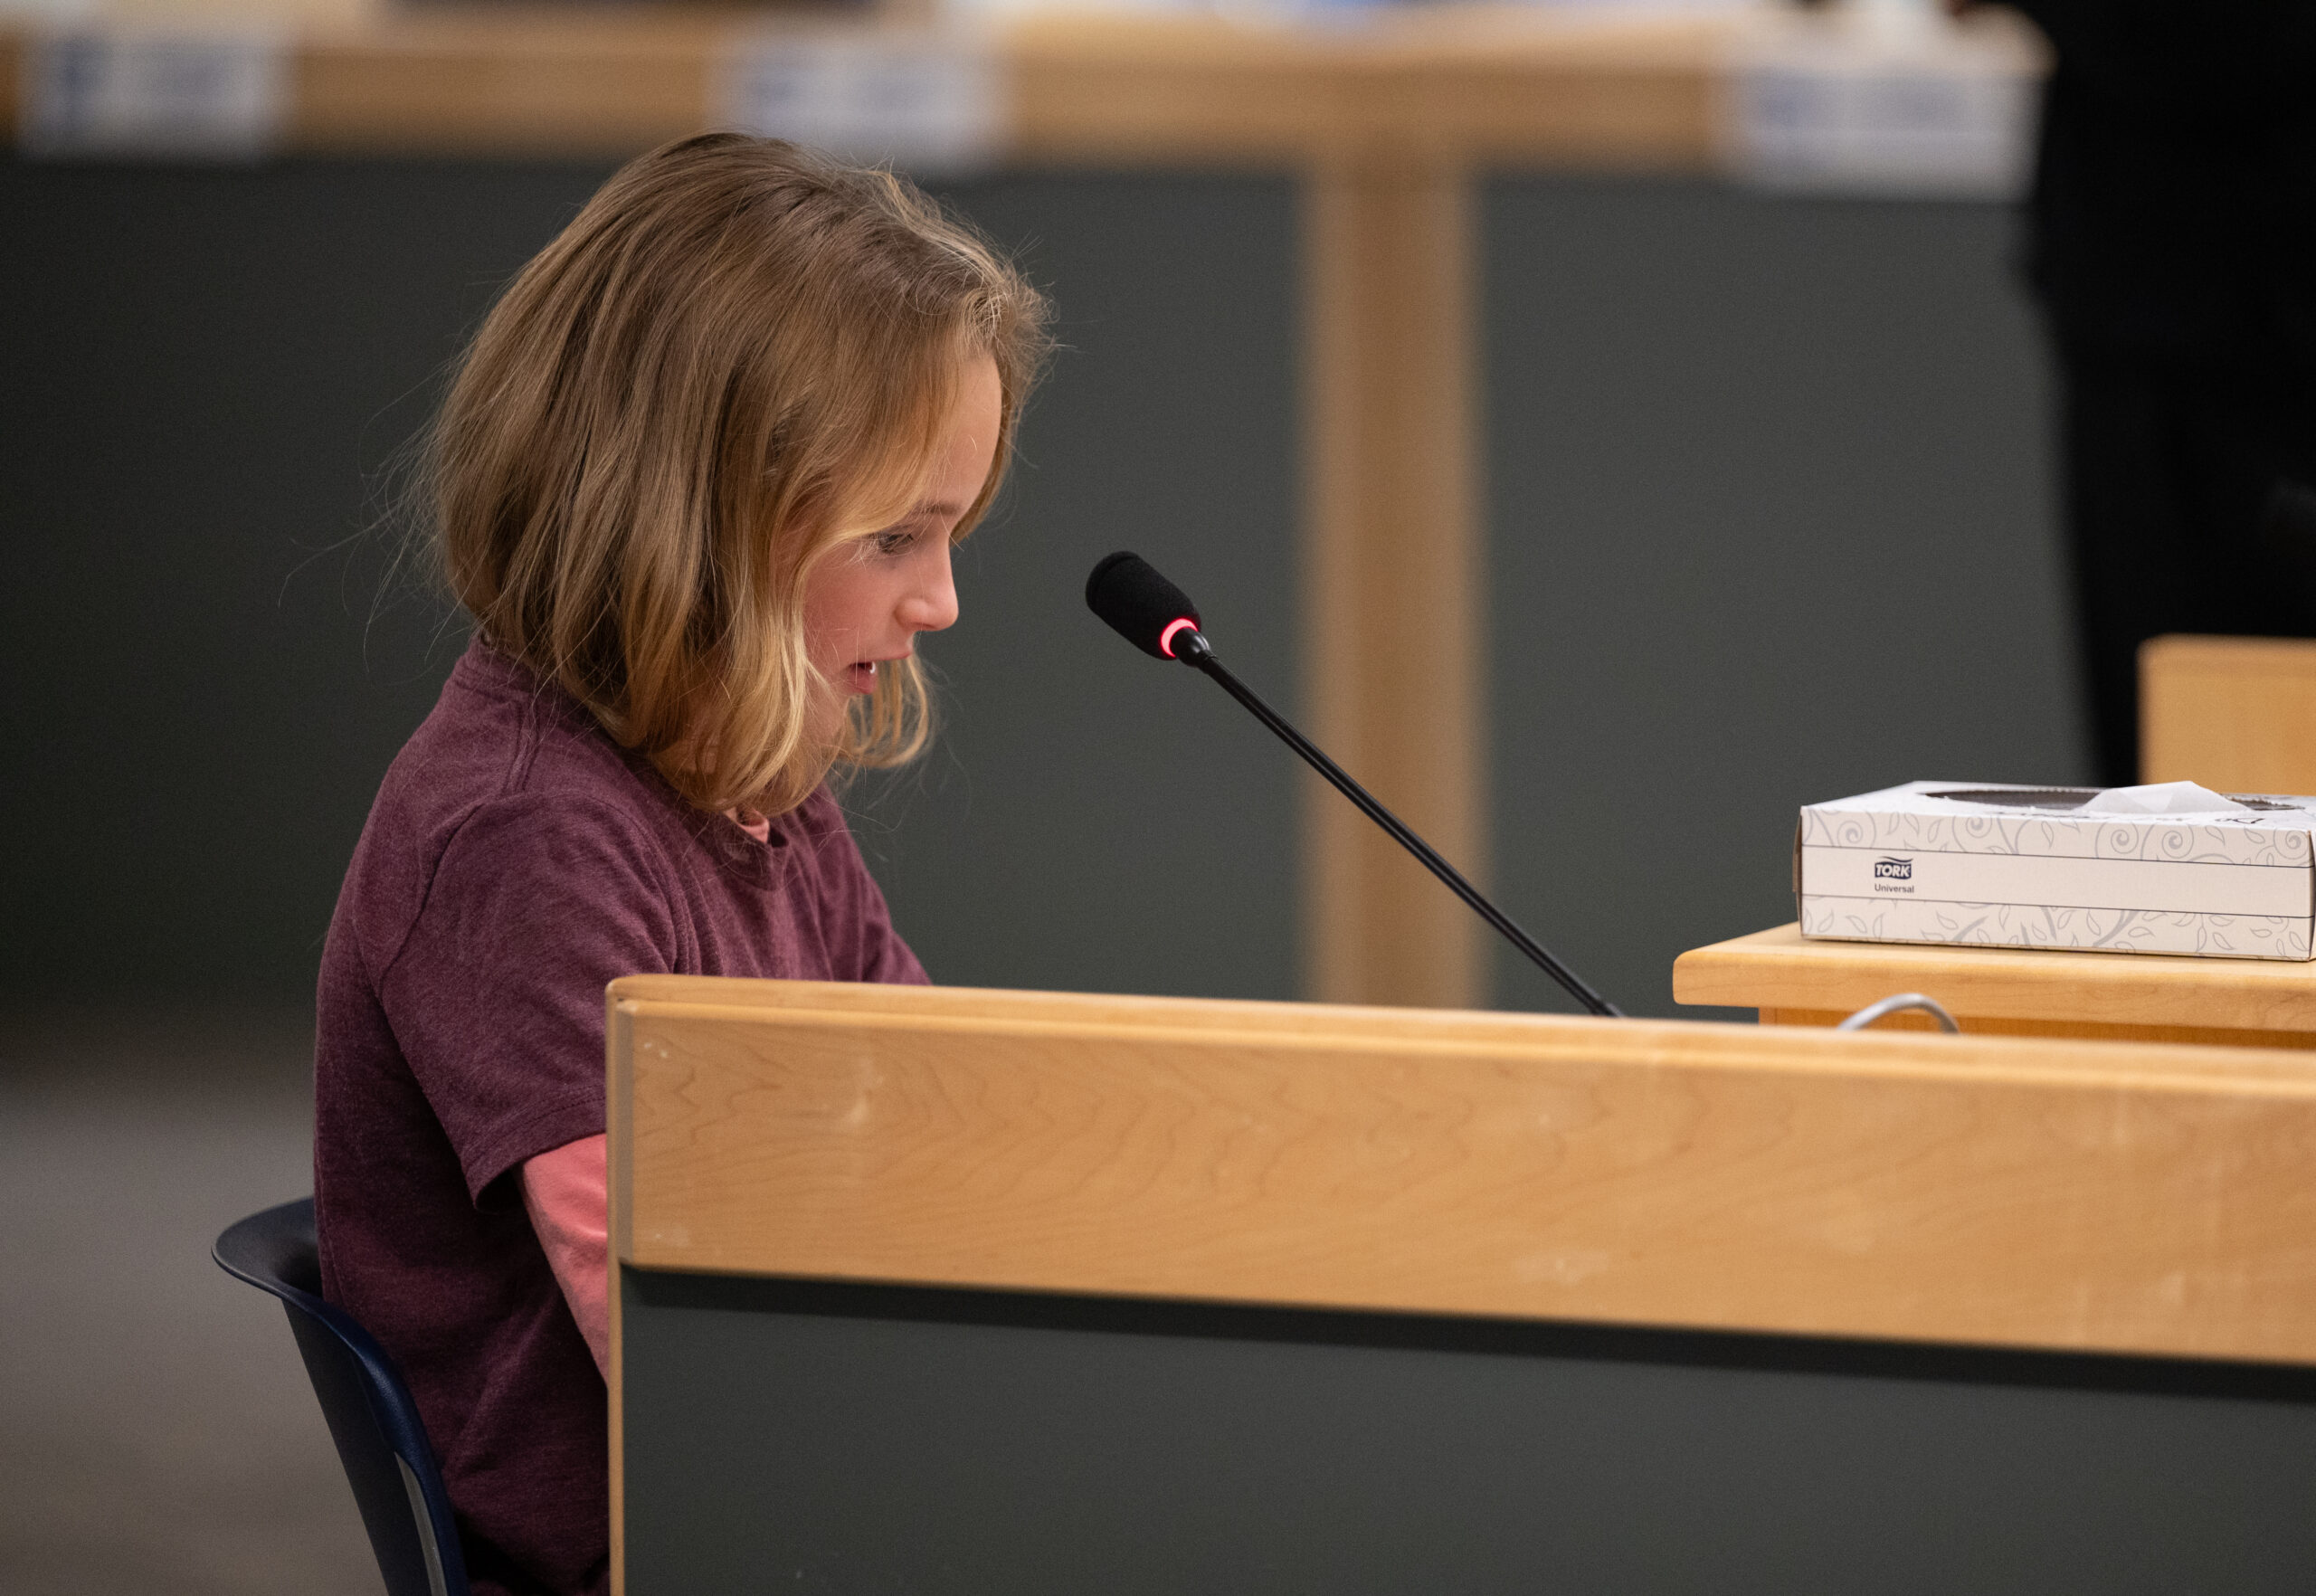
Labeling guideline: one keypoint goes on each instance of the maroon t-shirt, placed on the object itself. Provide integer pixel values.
(516, 860)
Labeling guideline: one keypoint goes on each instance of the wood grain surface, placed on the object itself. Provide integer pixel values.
(1984, 1191)
(2237, 714)
(1779, 970)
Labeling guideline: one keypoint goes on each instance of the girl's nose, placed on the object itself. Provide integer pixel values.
(931, 603)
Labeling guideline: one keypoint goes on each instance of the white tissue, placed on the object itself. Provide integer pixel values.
(2163, 798)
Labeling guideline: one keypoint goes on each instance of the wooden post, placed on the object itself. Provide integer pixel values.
(2228, 712)
(1392, 552)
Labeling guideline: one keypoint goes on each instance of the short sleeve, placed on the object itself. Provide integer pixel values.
(496, 998)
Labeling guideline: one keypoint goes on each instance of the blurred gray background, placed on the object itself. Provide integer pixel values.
(1771, 521)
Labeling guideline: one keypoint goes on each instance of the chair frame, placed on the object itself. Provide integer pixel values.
(371, 1415)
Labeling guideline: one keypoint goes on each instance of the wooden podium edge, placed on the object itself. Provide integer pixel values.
(1682, 1176)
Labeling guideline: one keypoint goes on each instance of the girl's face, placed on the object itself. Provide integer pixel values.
(865, 606)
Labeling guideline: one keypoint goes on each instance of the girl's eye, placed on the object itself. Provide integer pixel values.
(892, 543)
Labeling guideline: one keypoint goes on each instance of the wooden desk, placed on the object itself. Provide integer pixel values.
(2009, 991)
(1030, 1293)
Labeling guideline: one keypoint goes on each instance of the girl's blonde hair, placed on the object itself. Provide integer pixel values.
(733, 365)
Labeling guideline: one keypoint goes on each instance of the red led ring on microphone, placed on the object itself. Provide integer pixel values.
(1174, 629)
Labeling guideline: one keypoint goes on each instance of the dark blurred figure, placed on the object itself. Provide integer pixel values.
(2173, 245)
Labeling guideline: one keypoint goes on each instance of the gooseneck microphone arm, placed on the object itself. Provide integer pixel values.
(1193, 648)
(1155, 616)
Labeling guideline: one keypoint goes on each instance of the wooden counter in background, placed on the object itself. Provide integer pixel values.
(1478, 84)
(2010, 991)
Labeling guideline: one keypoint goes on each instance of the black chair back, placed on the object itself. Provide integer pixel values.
(371, 1416)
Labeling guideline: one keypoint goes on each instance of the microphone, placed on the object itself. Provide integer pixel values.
(1158, 618)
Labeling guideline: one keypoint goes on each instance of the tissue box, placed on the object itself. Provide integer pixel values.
(2033, 867)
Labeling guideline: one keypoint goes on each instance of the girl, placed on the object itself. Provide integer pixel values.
(697, 483)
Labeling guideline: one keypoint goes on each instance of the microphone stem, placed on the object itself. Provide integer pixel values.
(1193, 650)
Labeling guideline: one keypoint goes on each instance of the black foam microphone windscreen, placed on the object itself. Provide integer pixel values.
(1126, 591)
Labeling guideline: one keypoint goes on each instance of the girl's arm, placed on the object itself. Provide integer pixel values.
(564, 1191)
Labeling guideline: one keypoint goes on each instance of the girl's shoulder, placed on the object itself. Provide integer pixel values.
(501, 735)
(505, 779)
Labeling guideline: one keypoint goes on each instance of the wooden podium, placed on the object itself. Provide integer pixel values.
(930, 1289)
